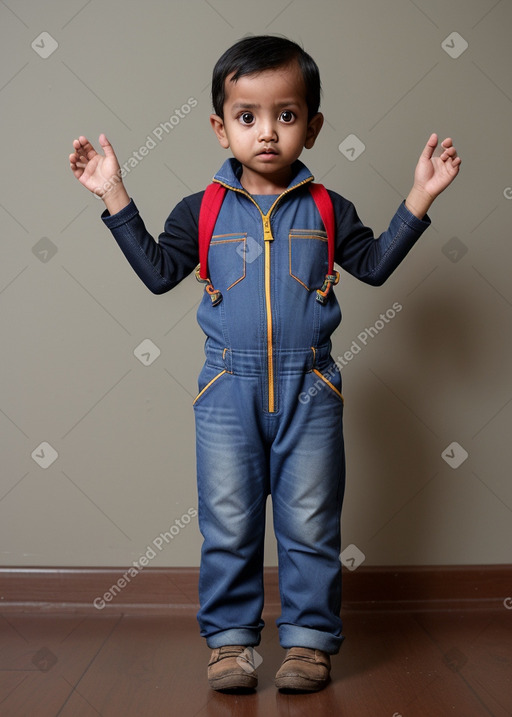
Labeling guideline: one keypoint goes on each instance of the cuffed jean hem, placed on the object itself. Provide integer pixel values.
(234, 636)
(296, 636)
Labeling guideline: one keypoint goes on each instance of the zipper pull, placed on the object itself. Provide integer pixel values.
(267, 231)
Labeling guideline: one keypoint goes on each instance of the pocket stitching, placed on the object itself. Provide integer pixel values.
(331, 385)
(208, 385)
(238, 237)
(317, 235)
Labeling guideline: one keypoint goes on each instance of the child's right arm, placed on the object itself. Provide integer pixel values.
(160, 265)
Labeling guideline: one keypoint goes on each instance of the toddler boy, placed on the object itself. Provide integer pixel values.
(268, 343)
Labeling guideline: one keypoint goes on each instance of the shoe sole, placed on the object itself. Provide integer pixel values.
(298, 683)
(234, 682)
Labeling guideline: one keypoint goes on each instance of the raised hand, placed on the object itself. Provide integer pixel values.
(432, 174)
(100, 174)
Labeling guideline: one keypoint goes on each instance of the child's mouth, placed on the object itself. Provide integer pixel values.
(268, 152)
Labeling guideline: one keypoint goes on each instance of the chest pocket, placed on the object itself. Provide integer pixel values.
(227, 259)
(308, 257)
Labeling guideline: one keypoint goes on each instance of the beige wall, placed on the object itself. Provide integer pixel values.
(72, 312)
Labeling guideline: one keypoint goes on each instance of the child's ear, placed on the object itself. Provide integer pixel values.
(217, 124)
(313, 130)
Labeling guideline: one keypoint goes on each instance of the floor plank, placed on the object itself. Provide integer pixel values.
(478, 647)
(43, 656)
(391, 664)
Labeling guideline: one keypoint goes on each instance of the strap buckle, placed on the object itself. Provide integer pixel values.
(214, 294)
(322, 295)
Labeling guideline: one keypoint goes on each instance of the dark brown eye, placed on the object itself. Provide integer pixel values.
(287, 116)
(246, 118)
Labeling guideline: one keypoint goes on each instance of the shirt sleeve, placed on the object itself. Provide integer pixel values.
(360, 253)
(164, 263)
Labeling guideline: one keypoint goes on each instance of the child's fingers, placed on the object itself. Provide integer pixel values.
(79, 158)
(74, 160)
(79, 144)
(429, 148)
(83, 147)
(106, 146)
(449, 153)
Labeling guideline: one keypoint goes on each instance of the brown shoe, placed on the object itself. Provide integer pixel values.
(304, 669)
(231, 667)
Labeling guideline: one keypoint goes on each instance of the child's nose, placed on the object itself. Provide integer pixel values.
(267, 131)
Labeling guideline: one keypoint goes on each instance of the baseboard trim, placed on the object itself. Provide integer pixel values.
(439, 587)
(167, 590)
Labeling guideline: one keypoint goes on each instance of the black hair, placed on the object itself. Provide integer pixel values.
(257, 53)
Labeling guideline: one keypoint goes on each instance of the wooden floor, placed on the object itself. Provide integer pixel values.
(392, 664)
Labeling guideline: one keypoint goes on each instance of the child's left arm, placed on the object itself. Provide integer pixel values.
(432, 175)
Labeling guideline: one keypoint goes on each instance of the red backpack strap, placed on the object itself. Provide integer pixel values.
(210, 208)
(324, 205)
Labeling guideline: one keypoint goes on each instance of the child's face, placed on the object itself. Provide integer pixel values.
(266, 126)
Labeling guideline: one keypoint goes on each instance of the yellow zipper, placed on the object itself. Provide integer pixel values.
(270, 332)
(267, 236)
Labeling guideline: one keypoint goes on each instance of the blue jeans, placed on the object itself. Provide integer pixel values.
(297, 455)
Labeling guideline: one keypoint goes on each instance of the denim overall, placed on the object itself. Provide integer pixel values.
(269, 409)
(269, 421)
